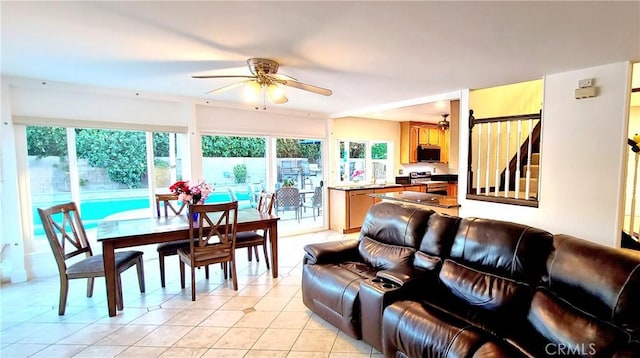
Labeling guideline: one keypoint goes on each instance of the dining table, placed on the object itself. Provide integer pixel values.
(121, 233)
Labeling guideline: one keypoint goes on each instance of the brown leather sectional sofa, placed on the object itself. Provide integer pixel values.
(420, 284)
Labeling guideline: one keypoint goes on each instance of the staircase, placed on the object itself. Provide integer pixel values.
(534, 168)
(533, 180)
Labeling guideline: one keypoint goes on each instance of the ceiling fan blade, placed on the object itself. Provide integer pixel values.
(280, 100)
(307, 87)
(283, 77)
(228, 87)
(223, 76)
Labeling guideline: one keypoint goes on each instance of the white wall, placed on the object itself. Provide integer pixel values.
(260, 122)
(74, 104)
(582, 159)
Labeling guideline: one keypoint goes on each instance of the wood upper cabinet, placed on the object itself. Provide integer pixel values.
(408, 143)
(413, 134)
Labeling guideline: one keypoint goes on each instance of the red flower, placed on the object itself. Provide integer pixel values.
(180, 187)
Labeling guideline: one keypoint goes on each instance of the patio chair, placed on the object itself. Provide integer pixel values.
(288, 199)
(169, 248)
(214, 220)
(253, 239)
(68, 240)
(315, 203)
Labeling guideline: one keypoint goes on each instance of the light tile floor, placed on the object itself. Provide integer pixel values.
(264, 318)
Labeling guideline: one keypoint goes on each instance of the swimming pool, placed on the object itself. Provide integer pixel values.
(96, 209)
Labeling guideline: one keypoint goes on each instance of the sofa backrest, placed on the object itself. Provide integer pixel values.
(494, 264)
(437, 241)
(600, 280)
(391, 233)
(395, 224)
(503, 248)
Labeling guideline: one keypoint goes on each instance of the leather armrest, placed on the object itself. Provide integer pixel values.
(398, 275)
(334, 251)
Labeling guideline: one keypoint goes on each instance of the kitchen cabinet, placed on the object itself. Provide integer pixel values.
(413, 134)
(359, 203)
(349, 206)
(421, 188)
(452, 189)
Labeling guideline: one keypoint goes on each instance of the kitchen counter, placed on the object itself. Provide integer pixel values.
(349, 204)
(368, 186)
(450, 178)
(439, 203)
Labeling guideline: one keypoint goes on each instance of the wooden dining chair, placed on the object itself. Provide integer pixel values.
(253, 239)
(169, 248)
(214, 221)
(68, 240)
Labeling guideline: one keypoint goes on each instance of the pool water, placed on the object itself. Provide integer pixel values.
(94, 210)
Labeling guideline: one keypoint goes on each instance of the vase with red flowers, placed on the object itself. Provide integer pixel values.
(191, 194)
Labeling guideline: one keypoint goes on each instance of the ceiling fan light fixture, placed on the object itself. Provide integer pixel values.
(276, 94)
(444, 124)
(252, 91)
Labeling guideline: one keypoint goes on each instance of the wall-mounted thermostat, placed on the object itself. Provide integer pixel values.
(585, 89)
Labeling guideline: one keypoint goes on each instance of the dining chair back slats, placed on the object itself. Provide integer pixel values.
(265, 204)
(68, 239)
(212, 239)
(169, 248)
(253, 239)
(164, 200)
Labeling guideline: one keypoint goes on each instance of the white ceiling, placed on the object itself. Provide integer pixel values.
(371, 54)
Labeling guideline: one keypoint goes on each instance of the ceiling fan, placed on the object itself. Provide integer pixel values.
(264, 75)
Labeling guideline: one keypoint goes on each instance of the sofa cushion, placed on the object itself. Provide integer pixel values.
(384, 256)
(395, 224)
(437, 241)
(484, 290)
(414, 330)
(507, 249)
(576, 273)
(565, 325)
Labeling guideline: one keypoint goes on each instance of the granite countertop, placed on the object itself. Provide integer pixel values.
(418, 198)
(450, 178)
(369, 186)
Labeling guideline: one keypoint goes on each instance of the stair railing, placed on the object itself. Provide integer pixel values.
(500, 150)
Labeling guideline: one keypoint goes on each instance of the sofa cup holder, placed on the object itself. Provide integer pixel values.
(384, 283)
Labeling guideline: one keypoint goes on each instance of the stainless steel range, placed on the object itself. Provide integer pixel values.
(433, 187)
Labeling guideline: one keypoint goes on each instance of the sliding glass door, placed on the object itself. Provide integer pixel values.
(236, 167)
(104, 171)
(299, 184)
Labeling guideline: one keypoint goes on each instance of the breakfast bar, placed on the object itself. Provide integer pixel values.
(442, 204)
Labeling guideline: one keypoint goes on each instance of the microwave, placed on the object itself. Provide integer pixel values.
(428, 153)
